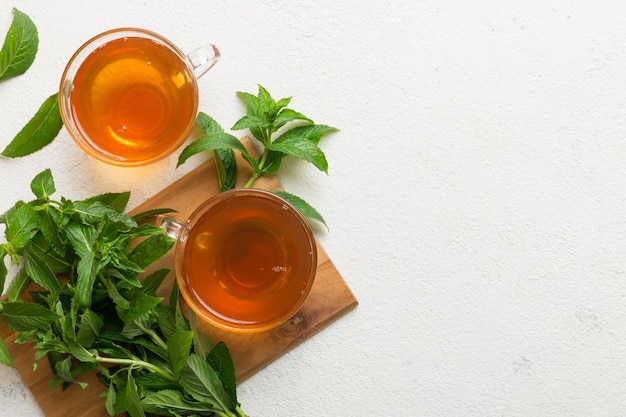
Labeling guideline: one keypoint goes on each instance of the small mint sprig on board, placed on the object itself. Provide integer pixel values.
(279, 130)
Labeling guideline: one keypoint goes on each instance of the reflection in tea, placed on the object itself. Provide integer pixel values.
(246, 260)
(133, 99)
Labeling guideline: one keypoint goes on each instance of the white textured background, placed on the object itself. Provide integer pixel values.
(476, 196)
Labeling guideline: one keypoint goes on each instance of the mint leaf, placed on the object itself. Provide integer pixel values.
(40, 272)
(287, 115)
(43, 184)
(152, 282)
(25, 317)
(208, 124)
(38, 132)
(117, 201)
(302, 206)
(151, 213)
(87, 269)
(21, 226)
(302, 149)
(5, 356)
(210, 142)
(140, 305)
(311, 133)
(3, 269)
(20, 46)
(179, 347)
(17, 285)
(201, 343)
(89, 328)
(151, 249)
(133, 401)
(220, 360)
(201, 381)
(171, 401)
(226, 166)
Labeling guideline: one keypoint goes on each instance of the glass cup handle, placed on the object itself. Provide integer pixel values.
(203, 58)
(170, 226)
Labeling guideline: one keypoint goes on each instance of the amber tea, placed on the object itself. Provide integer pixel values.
(130, 97)
(248, 261)
(133, 98)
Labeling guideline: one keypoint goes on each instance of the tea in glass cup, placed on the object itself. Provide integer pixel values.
(130, 97)
(245, 260)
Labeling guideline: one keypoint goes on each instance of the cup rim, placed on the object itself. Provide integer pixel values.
(188, 295)
(75, 62)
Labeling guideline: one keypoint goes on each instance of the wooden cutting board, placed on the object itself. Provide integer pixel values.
(329, 299)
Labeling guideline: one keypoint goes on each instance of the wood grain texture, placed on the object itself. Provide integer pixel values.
(329, 299)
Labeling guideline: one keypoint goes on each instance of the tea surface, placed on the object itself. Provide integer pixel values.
(247, 261)
(134, 99)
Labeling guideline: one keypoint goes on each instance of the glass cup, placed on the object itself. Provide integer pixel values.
(129, 97)
(245, 259)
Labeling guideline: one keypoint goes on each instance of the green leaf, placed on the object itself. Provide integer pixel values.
(21, 226)
(133, 401)
(3, 269)
(40, 272)
(302, 206)
(266, 102)
(87, 269)
(20, 46)
(201, 343)
(140, 305)
(25, 317)
(286, 116)
(202, 382)
(5, 356)
(220, 360)
(89, 328)
(208, 124)
(117, 201)
(152, 213)
(311, 133)
(38, 132)
(43, 184)
(151, 283)
(82, 237)
(17, 285)
(91, 211)
(226, 166)
(151, 249)
(41, 250)
(254, 108)
(111, 399)
(302, 149)
(211, 142)
(251, 122)
(63, 369)
(171, 401)
(179, 347)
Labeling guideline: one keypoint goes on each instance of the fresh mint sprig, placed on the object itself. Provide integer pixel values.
(93, 313)
(279, 130)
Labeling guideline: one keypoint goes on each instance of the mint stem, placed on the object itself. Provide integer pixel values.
(135, 363)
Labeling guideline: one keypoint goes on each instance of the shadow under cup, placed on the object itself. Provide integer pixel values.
(129, 96)
(245, 260)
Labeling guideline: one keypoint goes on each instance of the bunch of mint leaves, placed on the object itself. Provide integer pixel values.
(90, 311)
